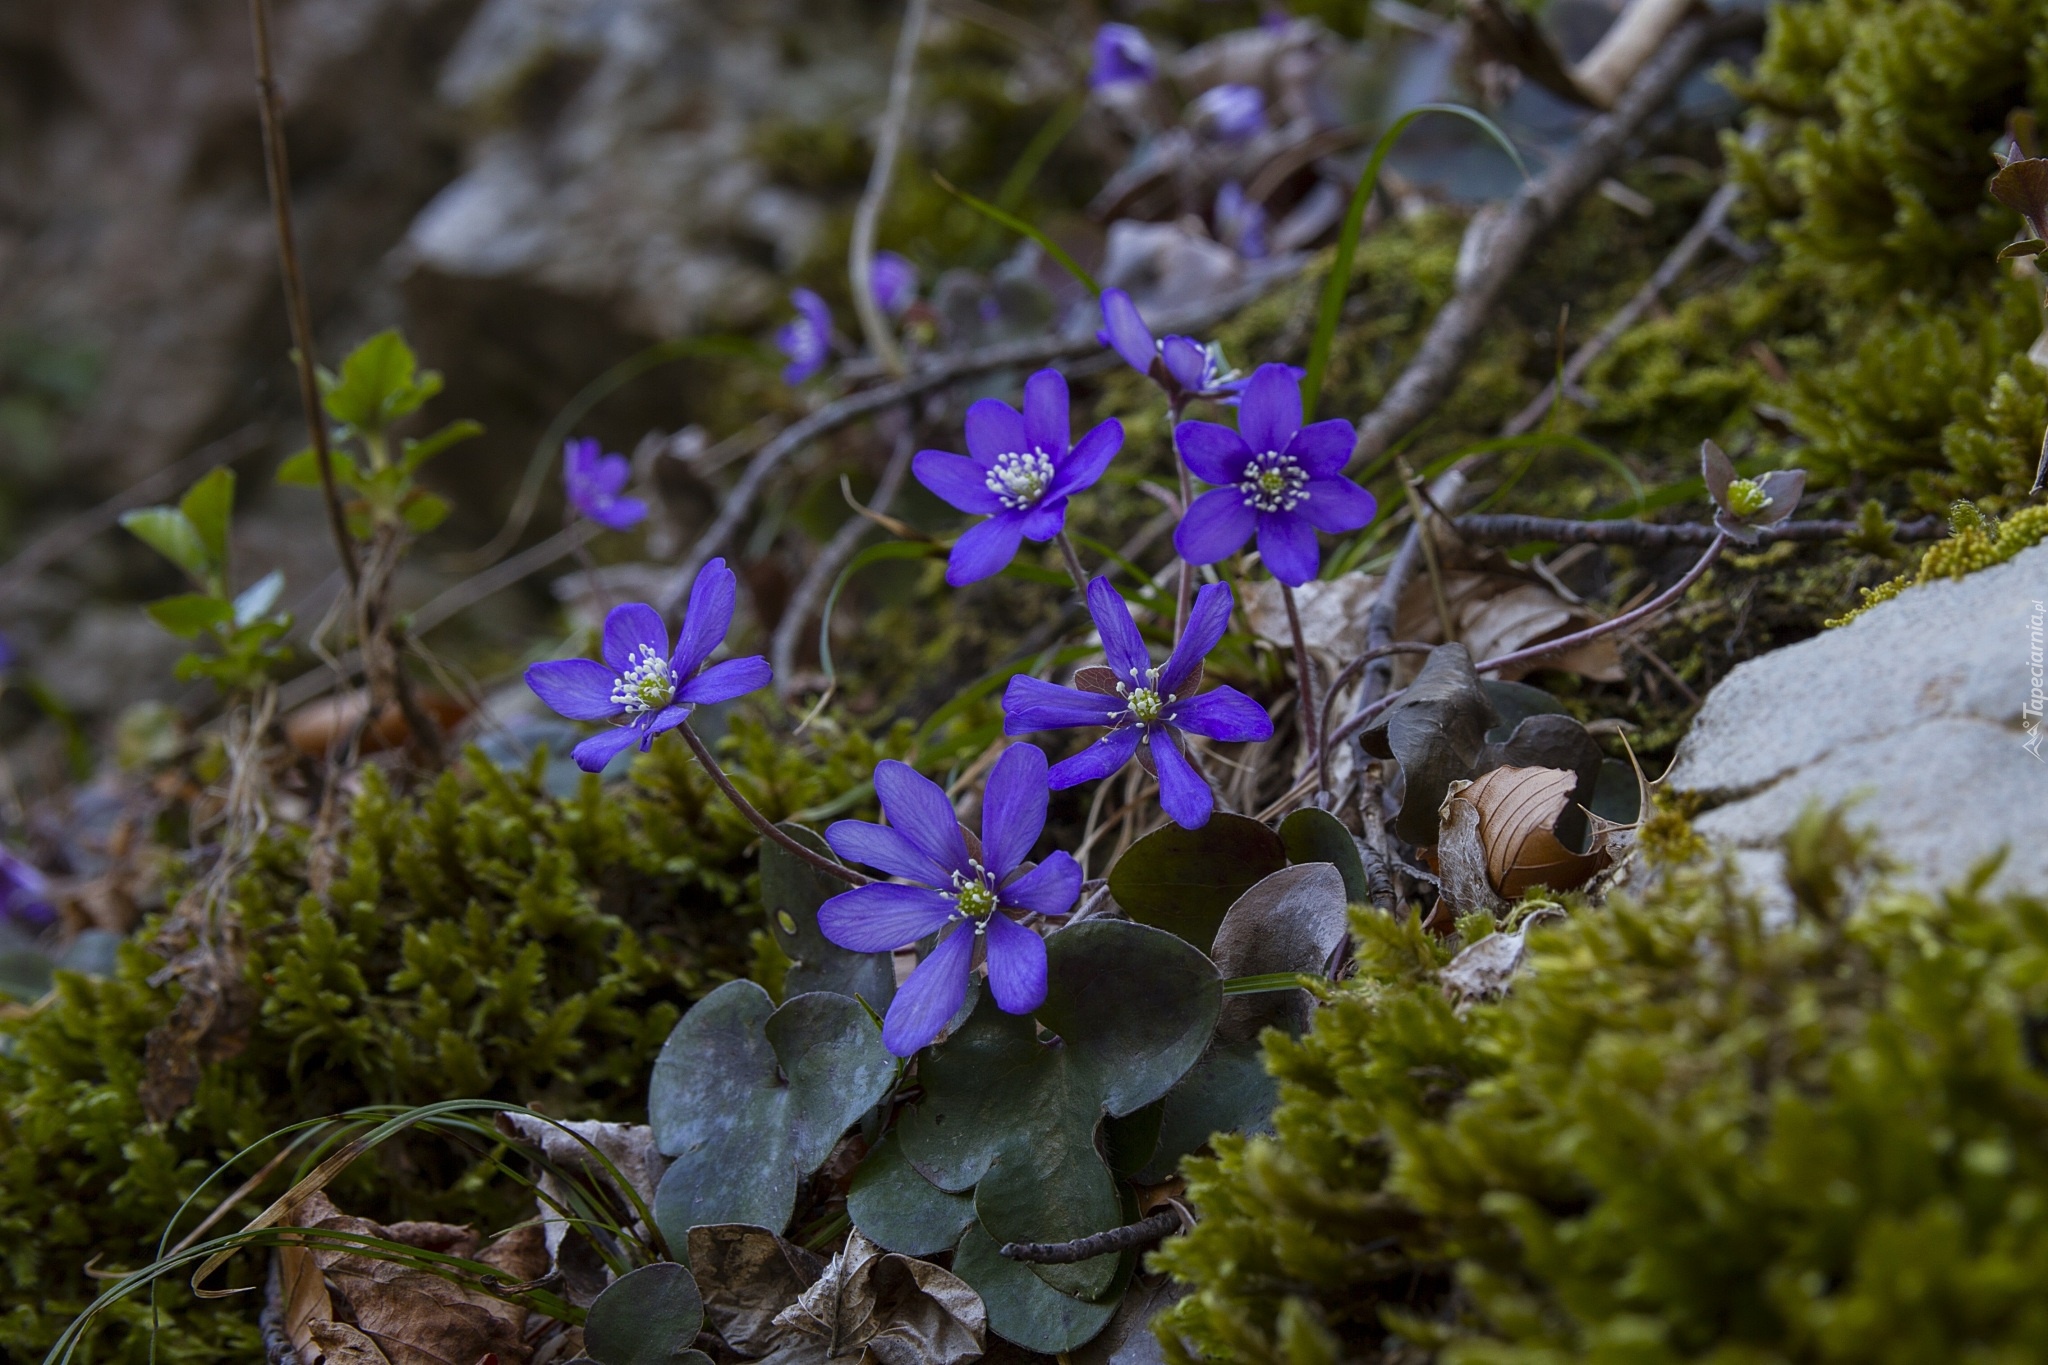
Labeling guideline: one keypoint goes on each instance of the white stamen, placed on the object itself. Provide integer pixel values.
(645, 686)
(1020, 478)
(1274, 482)
(972, 894)
(1144, 702)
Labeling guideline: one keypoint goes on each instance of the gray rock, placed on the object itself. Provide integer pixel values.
(1925, 713)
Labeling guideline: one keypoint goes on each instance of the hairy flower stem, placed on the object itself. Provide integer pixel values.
(1185, 593)
(829, 866)
(278, 171)
(1303, 680)
(1073, 562)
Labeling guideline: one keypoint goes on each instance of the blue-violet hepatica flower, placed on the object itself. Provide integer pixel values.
(1018, 472)
(894, 282)
(1275, 477)
(594, 482)
(1181, 365)
(25, 893)
(640, 682)
(1240, 222)
(1122, 57)
(952, 892)
(1142, 703)
(807, 338)
(1231, 112)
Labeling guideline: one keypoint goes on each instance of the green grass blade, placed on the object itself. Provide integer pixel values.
(1016, 224)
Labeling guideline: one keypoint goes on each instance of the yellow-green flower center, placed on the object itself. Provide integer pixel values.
(645, 686)
(972, 894)
(1746, 497)
(1273, 482)
(1019, 479)
(1146, 705)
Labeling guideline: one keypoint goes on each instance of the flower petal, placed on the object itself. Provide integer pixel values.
(1105, 756)
(1044, 521)
(604, 746)
(994, 428)
(1051, 888)
(1207, 620)
(724, 681)
(660, 723)
(1125, 332)
(1270, 412)
(883, 916)
(1187, 360)
(1287, 544)
(1034, 704)
(1121, 643)
(580, 689)
(885, 850)
(985, 550)
(1045, 412)
(1089, 458)
(931, 997)
(1324, 448)
(918, 809)
(959, 481)
(707, 618)
(1013, 808)
(1337, 505)
(1183, 794)
(1212, 452)
(628, 628)
(1216, 526)
(1221, 713)
(1016, 965)
(617, 514)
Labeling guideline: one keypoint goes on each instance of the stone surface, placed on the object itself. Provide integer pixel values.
(1917, 712)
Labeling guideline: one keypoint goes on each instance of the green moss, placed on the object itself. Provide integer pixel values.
(481, 939)
(1683, 1137)
(1975, 542)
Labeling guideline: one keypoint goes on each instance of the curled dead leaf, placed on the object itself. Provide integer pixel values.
(319, 727)
(1485, 968)
(1497, 838)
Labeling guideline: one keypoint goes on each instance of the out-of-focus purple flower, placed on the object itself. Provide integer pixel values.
(806, 338)
(1274, 476)
(25, 893)
(1184, 367)
(953, 893)
(894, 281)
(1122, 56)
(1240, 222)
(1231, 112)
(7, 656)
(1745, 508)
(1017, 472)
(1142, 704)
(640, 681)
(594, 481)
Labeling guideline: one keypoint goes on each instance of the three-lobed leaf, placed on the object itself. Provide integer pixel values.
(380, 382)
(791, 892)
(1185, 880)
(649, 1316)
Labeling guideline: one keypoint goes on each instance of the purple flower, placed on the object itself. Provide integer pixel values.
(1122, 57)
(641, 681)
(807, 338)
(954, 893)
(1240, 222)
(1276, 477)
(1017, 472)
(24, 893)
(1181, 365)
(1142, 704)
(894, 282)
(1231, 112)
(594, 480)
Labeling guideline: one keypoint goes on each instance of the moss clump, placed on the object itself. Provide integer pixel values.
(1684, 1137)
(479, 940)
(1975, 542)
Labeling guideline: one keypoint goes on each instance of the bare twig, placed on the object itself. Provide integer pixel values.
(817, 581)
(1516, 530)
(861, 253)
(1608, 627)
(1144, 1232)
(278, 171)
(828, 866)
(1303, 678)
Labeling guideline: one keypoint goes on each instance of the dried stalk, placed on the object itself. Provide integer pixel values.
(861, 253)
(1144, 1232)
(1644, 535)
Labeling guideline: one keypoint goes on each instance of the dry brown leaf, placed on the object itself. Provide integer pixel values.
(904, 1310)
(1518, 813)
(1485, 968)
(210, 1023)
(1460, 855)
(1499, 613)
(631, 1150)
(320, 726)
(337, 1343)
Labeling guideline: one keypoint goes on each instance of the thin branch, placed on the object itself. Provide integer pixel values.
(1303, 678)
(861, 253)
(1072, 559)
(277, 170)
(738, 502)
(1144, 1232)
(828, 866)
(1626, 619)
(1517, 530)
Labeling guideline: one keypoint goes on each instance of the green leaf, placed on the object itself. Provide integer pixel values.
(191, 614)
(424, 511)
(1013, 1117)
(1316, 836)
(750, 1099)
(649, 1316)
(1186, 880)
(416, 453)
(1514, 703)
(256, 600)
(1022, 1307)
(208, 505)
(791, 892)
(1227, 1091)
(171, 534)
(1617, 795)
(1293, 921)
(379, 383)
(303, 470)
(1435, 732)
(2033, 246)
(899, 1209)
